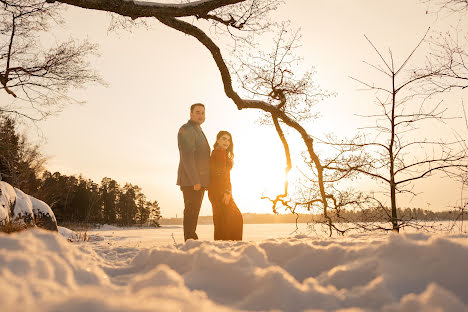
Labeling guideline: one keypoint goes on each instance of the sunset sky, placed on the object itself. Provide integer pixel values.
(128, 130)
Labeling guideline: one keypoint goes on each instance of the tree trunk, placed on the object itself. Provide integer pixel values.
(395, 226)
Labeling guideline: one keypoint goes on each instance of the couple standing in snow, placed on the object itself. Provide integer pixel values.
(199, 171)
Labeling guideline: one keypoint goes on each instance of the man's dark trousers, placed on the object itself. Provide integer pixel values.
(192, 201)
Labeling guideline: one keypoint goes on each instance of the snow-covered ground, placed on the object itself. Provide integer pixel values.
(272, 270)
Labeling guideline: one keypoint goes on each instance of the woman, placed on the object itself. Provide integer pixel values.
(227, 219)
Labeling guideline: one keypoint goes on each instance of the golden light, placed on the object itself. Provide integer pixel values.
(259, 170)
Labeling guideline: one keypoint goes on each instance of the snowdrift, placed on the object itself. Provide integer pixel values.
(414, 272)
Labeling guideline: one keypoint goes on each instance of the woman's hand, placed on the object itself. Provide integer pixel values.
(226, 198)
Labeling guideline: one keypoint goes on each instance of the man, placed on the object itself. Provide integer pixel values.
(193, 175)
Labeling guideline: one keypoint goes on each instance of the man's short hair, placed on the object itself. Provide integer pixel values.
(195, 105)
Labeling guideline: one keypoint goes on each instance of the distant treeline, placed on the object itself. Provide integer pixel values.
(380, 215)
(366, 215)
(73, 199)
(78, 200)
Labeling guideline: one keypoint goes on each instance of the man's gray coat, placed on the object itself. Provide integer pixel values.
(194, 150)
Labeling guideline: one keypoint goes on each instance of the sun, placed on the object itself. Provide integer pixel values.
(255, 175)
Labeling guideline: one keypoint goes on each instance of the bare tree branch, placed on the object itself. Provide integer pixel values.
(31, 74)
(136, 9)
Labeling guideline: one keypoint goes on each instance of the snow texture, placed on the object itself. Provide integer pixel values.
(411, 272)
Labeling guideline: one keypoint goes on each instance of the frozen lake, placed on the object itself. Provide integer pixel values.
(168, 234)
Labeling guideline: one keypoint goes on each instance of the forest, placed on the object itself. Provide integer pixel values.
(74, 200)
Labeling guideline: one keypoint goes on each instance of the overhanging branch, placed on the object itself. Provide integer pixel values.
(136, 9)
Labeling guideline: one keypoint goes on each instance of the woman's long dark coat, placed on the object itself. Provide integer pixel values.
(227, 219)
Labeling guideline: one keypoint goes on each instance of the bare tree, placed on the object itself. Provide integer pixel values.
(449, 53)
(398, 151)
(21, 163)
(34, 76)
(277, 77)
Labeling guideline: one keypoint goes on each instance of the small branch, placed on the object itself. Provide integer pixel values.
(412, 52)
(381, 57)
(428, 172)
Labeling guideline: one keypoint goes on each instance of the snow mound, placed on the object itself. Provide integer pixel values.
(73, 236)
(69, 235)
(19, 210)
(359, 273)
(38, 266)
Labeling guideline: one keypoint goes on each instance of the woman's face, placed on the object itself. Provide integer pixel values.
(224, 141)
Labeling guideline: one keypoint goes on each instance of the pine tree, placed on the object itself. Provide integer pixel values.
(109, 194)
(9, 149)
(155, 213)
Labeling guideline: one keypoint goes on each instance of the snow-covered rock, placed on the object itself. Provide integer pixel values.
(19, 210)
(22, 215)
(7, 202)
(43, 214)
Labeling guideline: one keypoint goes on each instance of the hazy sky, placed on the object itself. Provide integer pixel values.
(128, 130)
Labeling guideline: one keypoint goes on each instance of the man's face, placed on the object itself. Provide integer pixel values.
(198, 115)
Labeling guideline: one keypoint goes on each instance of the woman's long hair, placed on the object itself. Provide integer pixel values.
(230, 149)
